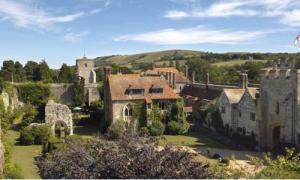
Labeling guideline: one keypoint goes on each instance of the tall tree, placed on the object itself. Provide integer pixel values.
(8, 68)
(31, 70)
(65, 74)
(79, 91)
(44, 72)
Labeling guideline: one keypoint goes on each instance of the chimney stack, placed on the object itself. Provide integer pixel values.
(174, 80)
(193, 77)
(153, 66)
(207, 80)
(107, 72)
(187, 71)
(244, 81)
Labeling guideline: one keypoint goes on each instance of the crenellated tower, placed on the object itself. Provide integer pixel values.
(279, 105)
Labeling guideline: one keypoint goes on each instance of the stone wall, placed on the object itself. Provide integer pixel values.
(227, 115)
(58, 113)
(63, 93)
(246, 107)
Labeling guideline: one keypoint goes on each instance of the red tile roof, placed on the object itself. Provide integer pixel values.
(118, 85)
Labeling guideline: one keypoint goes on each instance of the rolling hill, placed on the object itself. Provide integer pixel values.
(157, 57)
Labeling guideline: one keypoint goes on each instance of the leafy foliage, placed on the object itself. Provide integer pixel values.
(129, 157)
(37, 134)
(79, 91)
(157, 128)
(29, 116)
(282, 167)
(33, 93)
(116, 130)
(11, 170)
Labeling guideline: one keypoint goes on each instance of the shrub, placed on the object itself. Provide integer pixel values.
(226, 161)
(38, 134)
(26, 136)
(127, 158)
(11, 170)
(157, 128)
(29, 116)
(175, 127)
(116, 129)
(33, 93)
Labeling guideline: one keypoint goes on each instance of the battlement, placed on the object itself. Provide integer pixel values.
(270, 73)
(283, 64)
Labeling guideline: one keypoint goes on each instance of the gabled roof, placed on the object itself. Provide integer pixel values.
(118, 84)
(180, 78)
(252, 92)
(234, 95)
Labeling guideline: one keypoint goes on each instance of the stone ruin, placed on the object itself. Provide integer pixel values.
(59, 113)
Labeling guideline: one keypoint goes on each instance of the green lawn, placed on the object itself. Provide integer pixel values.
(86, 131)
(236, 62)
(24, 156)
(191, 140)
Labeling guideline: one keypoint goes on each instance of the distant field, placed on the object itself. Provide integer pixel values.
(236, 62)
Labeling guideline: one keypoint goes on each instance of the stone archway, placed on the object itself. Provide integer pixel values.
(275, 136)
(60, 129)
(59, 113)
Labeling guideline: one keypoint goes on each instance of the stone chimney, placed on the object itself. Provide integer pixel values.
(174, 80)
(187, 71)
(207, 80)
(107, 72)
(153, 66)
(193, 77)
(243, 81)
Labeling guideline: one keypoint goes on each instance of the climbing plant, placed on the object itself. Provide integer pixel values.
(33, 93)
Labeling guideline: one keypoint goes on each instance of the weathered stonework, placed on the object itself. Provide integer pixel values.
(85, 69)
(279, 105)
(58, 113)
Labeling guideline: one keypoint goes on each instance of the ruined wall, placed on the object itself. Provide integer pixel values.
(63, 93)
(55, 113)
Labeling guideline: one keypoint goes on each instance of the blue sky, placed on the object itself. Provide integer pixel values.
(60, 30)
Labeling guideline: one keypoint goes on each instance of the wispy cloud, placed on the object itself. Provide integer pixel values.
(23, 15)
(196, 35)
(286, 11)
(75, 37)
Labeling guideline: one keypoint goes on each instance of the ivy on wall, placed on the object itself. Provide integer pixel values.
(34, 93)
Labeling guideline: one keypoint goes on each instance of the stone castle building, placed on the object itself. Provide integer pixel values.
(85, 70)
(278, 110)
(270, 113)
(237, 107)
(122, 90)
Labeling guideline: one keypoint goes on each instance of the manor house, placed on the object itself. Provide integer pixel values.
(174, 78)
(121, 91)
(270, 113)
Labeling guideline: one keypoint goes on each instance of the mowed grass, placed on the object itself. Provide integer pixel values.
(191, 140)
(24, 156)
(236, 62)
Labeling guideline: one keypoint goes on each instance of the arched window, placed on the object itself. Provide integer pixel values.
(127, 113)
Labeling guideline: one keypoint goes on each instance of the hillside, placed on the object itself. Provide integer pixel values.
(157, 57)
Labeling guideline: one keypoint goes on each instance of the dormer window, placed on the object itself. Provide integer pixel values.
(155, 90)
(131, 91)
